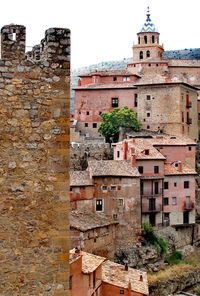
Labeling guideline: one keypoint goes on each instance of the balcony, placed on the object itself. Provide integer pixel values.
(188, 205)
(189, 105)
(151, 208)
(189, 121)
(151, 194)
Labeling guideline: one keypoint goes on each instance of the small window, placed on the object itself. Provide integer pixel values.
(156, 169)
(148, 97)
(79, 112)
(87, 113)
(135, 100)
(146, 151)
(153, 39)
(182, 116)
(141, 55)
(174, 200)
(70, 188)
(126, 78)
(148, 54)
(166, 216)
(175, 184)
(115, 102)
(14, 36)
(120, 202)
(86, 124)
(100, 112)
(149, 65)
(148, 114)
(166, 201)
(121, 291)
(166, 185)
(118, 154)
(189, 148)
(186, 184)
(94, 125)
(113, 188)
(148, 126)
(104, 187)
(140, 169)
(70, 282)
(114, 78)
(145, 39)
(99, 205)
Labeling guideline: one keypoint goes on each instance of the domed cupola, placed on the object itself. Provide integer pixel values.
(148, 25)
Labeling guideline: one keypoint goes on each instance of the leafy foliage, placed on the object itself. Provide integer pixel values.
(153, 239)
(111, 122)
(174, 258)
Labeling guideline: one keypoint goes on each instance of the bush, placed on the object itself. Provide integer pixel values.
(198, 292)
(150, 237)
(174, 258)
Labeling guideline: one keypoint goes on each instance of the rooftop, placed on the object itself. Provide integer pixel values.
(112, 168)
(80, 178)
(109, 73)
(85, 220)
(171, 169)
(115, 274)
(115, 85)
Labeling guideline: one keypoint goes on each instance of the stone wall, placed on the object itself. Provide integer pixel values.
(81, 153)
(34, 147)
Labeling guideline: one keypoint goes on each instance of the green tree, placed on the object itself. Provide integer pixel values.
(111, 122)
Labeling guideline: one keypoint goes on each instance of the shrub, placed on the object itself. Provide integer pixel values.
(174, 258)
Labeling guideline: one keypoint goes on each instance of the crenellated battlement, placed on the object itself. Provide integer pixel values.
(54, 47)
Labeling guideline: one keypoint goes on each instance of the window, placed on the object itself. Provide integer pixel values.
(166, 216)
(70, 282)
(175, 184)
(148, 97)
(113, 188)
(126, 78)
(70, 188)
(79, 112)
(189, 148)
(166, 201)
(118, 154)
(148, 126)
(138, 40)
(86, 124)
(87, 113)
(114, 78)
(135, 100)
(94, 125)
(121, 291)
(149, 65)
(99, 205)
(141, 55)
(140, 169)
(148, 54)
(115, 102)
(146, 151)
(145, 39)
(186, 184)
(100, 112)
(156, 188)
(120, 202)
(104, 187)
(156, 169)
(166, 185)
(182, 116)
(153, 39)
(174, 200)
(148, 114)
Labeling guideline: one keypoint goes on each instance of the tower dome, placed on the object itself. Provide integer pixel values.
(148, 26)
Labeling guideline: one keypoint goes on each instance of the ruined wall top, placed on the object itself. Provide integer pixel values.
(54, 48)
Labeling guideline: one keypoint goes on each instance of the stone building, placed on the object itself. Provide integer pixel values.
(167, 168)
(163, 92)
(34, 140)
(94, 275)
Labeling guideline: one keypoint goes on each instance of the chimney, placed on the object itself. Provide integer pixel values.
(180, 166)
(125, 150)
(133, 160)
(133, 140)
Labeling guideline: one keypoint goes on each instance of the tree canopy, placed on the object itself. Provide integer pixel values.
(111, 122)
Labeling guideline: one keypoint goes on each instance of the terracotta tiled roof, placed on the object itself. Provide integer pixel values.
(115, 85)
(85, 220)
(115, 274)
(112, 168)
(80, 178)
(171, 169)
(91, 262)
(109, 73)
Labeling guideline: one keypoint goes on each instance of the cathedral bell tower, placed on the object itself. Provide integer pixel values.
(148, 42)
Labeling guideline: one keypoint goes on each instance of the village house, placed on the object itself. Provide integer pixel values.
(95, 276)
(93, 232)
(163, 92)
(167, 167)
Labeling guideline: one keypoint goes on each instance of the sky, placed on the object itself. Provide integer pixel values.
(104, 30)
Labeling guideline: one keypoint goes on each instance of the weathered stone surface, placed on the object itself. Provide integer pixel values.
(33, 215)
